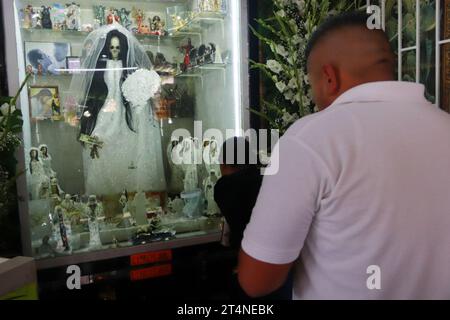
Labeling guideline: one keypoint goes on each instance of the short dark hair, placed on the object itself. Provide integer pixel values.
(347, 19)
(243, 155)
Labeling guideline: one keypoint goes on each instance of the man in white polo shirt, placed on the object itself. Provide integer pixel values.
(360, 206)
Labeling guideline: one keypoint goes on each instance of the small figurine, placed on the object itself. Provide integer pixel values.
(124, 201)
(46, 159)
(73, 17)
(124, 16)
(211, 155)
(40, 71)
(115, 243)
(29, 69)
(44, 190)
(55, 189)
(68, 204)
(208, 189)
(38, 176)
(112, 16)
(138, 16)
(27, 16)
(46, 20)
(36, 20)
(59, 219)
(94, 213)
(186, 49)
(157, 26)
(56, 108)
(99, 13)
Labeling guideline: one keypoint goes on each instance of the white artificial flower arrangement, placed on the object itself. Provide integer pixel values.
(141, 86)
(286, 33)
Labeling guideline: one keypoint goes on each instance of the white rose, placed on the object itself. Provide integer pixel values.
(288, 95)
(281, 86)
(4, 109)
(274, 66)
(281, 51)
(292, 83)
(288, 118)
(281, 13)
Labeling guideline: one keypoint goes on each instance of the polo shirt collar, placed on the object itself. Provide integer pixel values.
(384, 91)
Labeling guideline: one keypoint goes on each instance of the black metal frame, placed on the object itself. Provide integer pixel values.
(3, 75)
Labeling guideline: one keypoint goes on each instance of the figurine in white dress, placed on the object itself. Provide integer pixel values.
(38, 178)
(46, 159)
(126, 152)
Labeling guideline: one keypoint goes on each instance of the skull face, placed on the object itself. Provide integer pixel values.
(114, 48)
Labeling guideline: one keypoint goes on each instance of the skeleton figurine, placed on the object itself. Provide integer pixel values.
(124, 201)
(94, 214)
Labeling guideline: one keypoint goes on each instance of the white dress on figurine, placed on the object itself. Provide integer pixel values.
(38, 178)
(127, 160)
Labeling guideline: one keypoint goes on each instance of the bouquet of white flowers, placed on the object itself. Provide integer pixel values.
(141, 86)
(285, 34)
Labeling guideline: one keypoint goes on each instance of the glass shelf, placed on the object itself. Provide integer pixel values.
(50, 34)
(199, 22)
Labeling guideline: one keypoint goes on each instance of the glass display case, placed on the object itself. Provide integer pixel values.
(127, 105)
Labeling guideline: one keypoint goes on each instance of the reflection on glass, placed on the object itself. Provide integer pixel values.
(409, 66)
(428, 48)
(409, 23)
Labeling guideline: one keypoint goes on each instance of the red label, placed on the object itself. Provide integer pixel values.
(151, 257)
(152, 272)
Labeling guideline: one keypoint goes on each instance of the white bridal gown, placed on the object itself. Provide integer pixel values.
(128, 160)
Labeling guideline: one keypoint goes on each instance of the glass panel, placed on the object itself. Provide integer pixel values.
(428, 48)
(409, 66)
(102, 158)
(409, 23)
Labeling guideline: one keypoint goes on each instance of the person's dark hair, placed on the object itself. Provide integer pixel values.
(34, 56)
(98, 91)
(237, 152)
(347, 19)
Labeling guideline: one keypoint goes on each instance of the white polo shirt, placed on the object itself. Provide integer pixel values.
(362, 199)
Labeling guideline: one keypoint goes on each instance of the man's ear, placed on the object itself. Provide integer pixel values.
(331, 78)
